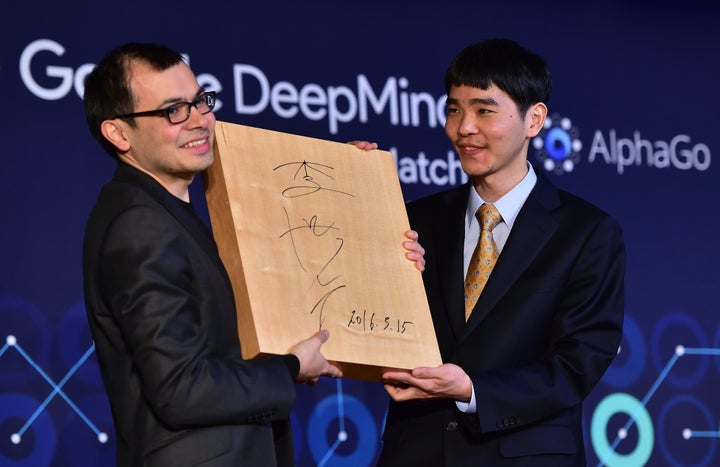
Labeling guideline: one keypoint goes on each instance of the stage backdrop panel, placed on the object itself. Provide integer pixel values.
(632, 127)
(311, 233)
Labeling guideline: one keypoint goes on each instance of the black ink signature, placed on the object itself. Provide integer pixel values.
(303, 171)
(318, 231)
(321, 304)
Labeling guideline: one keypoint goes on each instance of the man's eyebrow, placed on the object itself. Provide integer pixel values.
(484, 101)
(474, 101)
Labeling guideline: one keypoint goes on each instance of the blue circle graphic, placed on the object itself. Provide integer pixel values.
(633, 345)
(20, 407)
(327, 411)
(660, 356)
(622, 403)
(558, 144)
(662, 418)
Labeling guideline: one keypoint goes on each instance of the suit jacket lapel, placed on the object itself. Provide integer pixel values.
(449, 227)
(189, 220)
(532, 229)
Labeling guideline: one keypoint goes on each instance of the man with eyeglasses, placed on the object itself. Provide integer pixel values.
(159, 302)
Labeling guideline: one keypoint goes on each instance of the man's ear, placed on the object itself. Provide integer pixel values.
(113, 131)
(536, 118)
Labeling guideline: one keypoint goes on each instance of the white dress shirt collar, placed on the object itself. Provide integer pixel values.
(509, 204)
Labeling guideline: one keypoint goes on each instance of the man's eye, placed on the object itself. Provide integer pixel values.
(172, 110)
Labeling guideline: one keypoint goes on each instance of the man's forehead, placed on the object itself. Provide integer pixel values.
(175, 83)
(464, 92)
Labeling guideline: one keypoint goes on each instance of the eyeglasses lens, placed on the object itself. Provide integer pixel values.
(205, 102)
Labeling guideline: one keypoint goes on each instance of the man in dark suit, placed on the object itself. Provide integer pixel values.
(159, 302)
(548, 322)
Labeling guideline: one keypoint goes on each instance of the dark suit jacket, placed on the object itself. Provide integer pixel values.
(162, 315)
(545, 329)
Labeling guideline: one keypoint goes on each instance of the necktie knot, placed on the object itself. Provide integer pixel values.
(488, 216)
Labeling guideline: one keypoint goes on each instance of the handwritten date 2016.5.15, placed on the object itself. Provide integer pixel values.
(367, 322)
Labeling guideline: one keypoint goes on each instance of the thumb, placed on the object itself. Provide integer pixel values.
(421, 372)
(323, 335)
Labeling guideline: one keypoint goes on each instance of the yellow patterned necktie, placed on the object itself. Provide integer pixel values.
(483, 258)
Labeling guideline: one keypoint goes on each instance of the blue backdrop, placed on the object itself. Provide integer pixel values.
(634, 118)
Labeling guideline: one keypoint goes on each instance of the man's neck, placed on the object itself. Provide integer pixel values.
(178, 186)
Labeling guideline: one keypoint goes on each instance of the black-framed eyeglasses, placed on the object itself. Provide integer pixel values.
(180, 111)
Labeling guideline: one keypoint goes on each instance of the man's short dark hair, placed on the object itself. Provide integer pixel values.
(107, 87)
(516, 70)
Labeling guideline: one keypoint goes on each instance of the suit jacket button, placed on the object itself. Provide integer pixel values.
(451, 426)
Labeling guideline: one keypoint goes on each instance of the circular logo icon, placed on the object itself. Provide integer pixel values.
(557, 145)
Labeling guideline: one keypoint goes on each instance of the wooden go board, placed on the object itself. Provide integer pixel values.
(311, 234)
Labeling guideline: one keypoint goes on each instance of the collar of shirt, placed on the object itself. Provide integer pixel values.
(508, 206)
